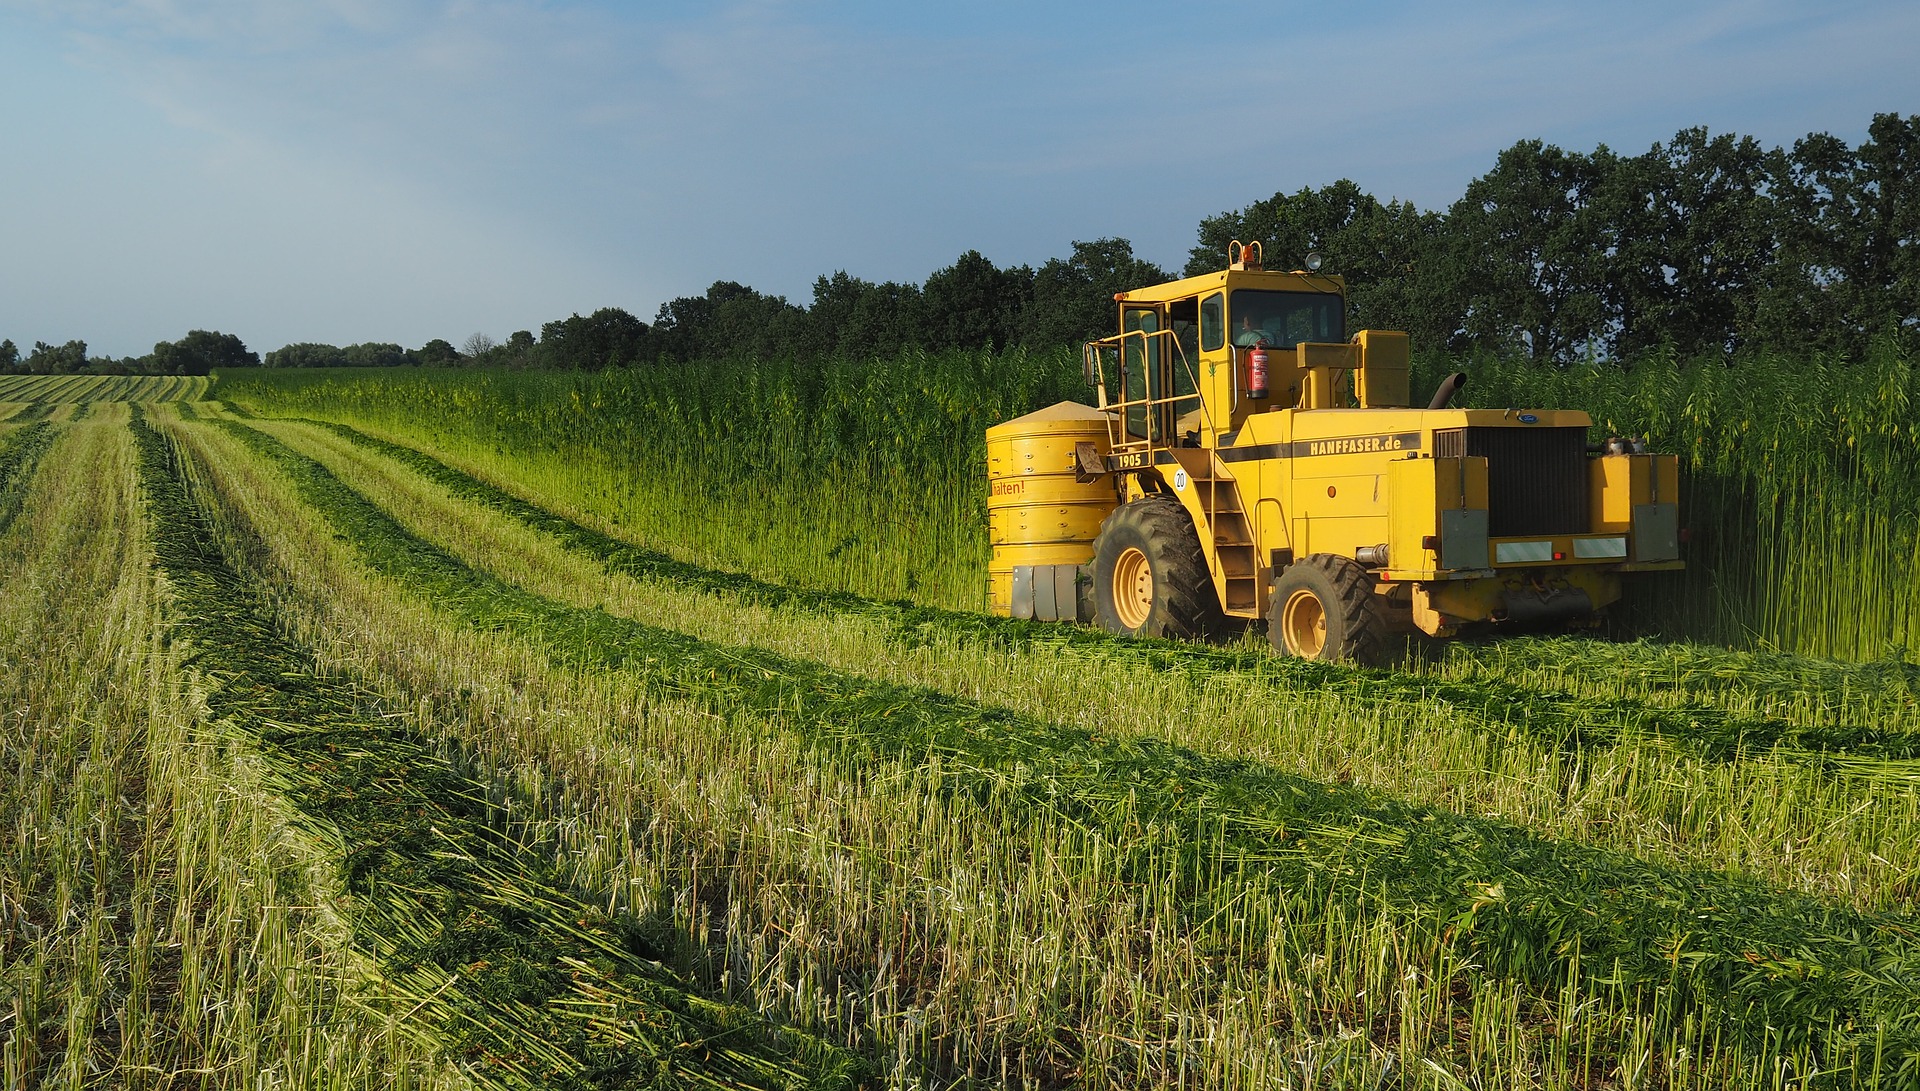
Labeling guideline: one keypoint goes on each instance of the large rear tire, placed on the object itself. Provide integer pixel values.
(1149, 576)
(1324, 607)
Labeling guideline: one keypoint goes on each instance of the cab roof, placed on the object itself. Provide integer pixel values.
(1231, 279)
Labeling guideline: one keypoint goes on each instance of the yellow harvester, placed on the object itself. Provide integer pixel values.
(1249, 459)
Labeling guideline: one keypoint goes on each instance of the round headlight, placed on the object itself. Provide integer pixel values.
(1315, 260)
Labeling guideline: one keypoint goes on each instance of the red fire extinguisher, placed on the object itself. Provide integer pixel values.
(1257, 370)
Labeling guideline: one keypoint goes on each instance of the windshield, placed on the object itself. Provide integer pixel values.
(1284, 319)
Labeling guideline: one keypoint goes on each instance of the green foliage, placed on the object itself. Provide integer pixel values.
(610, 337)
(200, 352)
(1073, 297)
(971, 304)
(66, 359)
(731, 319)
(437, 353)
(862, 474)
(308, 354)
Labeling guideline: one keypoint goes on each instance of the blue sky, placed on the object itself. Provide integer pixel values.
(398, 170)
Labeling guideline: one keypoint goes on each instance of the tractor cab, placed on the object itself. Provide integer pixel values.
(1251, 458)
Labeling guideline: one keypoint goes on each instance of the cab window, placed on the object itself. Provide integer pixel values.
(1284, 319)
(1213, 322)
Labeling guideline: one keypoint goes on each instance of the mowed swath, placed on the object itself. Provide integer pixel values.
(911, 846)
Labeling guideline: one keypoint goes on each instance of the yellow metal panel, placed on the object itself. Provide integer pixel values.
(1413, 486)
(1619, 483)
(1419, 490)
(1038, 512)
(1383, 369)
(1320, 366)
(1666, 478)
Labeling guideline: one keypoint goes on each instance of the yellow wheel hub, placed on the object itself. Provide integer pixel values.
(1303, 622)
(1132, 588)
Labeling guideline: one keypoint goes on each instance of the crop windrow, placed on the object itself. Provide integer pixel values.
(529, 984)
(34, 411)
(1783, 969)
(19, 454)
(1564, 720)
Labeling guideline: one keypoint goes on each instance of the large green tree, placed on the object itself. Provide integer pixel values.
(67, 359)
(1531, 237)
(609, 337)
(1689, 234)
(974, 304)
(1073, 296)
(200, 352)
(857, 318)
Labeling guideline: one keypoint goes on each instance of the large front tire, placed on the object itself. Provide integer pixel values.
(1324, 607)
(1150, 577)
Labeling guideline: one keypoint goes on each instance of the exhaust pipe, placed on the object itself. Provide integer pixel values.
(1449, 386)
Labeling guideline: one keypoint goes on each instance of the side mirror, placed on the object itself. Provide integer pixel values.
(1086, 365)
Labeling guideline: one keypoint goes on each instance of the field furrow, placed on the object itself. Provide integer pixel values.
(525, 983)
(1565, 718)
(1744, 955)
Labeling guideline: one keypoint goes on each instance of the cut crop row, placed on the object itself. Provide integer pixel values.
(529, 984)
(1562, 719)
(1525, 907)
(20, 452)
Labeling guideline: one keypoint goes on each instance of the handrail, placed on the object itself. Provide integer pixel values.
(1118, 342)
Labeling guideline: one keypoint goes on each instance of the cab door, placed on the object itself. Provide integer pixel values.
(1144, 376)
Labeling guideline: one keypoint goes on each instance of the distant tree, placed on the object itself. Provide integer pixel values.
(1690, 234)
(1399, 272)
(520, 350)
(1534, 243)
(9, 358)
(306, 354)
(1287, 227)
(730, 319)
(200, 352)
(1073, 297)
(973, 304)
(1850, 266)
(67, 359)
(436, 353)
(376, 354)
(477, 345)
(609, 337)
(857, 318)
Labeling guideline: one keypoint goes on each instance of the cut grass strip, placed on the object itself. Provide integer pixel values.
(1784, 970)
(1565, 719)
(19, 453)
(528, 984)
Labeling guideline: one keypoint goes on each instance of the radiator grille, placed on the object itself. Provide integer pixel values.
(1536, 477)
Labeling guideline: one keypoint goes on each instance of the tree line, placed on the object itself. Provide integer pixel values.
(1704, 244)
(198, 353)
